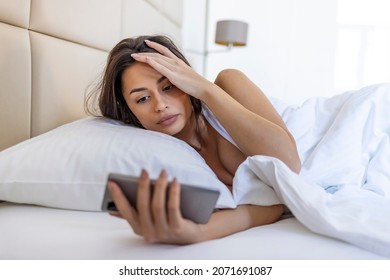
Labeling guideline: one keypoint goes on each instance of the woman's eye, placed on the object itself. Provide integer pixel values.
(143, 99)
(168, 87)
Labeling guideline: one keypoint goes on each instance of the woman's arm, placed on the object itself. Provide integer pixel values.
(229, 221)
(159, 220)
(252, 121)
(257, 131)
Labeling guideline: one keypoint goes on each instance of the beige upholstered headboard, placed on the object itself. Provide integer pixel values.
(52, 50)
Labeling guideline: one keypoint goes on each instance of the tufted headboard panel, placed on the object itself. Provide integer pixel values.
(52, 50)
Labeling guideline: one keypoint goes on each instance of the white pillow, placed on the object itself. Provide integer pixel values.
(68, 166)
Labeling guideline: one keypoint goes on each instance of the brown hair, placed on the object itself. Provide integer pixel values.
(108, 91)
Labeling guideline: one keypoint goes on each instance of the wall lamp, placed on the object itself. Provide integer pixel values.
(229, 33)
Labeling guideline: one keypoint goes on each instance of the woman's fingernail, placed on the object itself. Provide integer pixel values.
(144, 174)
(163, 173)
(110, 186)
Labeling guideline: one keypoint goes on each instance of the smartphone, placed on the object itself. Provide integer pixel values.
(196, 203)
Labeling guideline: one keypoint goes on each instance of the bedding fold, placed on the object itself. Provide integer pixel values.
(343, 190)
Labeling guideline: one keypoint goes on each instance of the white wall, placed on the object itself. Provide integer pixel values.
(193, 32)
(297, 48)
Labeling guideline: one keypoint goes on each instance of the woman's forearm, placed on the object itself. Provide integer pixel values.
(230, 221)
(253, 134)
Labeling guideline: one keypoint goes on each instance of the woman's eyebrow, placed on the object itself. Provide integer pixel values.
(161, 79)
(137, 89)
(144, 88)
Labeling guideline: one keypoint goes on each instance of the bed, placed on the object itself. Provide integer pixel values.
(54, 158)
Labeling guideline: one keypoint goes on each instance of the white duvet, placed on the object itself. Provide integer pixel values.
(343, 190)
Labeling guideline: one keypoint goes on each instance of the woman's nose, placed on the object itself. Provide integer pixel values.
(160, 103)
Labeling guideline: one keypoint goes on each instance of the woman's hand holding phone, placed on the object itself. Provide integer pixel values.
(157, 218)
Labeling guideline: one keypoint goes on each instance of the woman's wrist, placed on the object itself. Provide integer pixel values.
(211, 93)
(224, 223)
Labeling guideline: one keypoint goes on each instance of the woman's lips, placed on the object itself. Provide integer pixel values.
(167, 120)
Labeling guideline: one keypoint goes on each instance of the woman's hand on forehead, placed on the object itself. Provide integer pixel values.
(174, 69)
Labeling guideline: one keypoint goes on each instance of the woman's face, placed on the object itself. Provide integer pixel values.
(154, 100)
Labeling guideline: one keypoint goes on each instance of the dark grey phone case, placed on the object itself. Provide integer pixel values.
(196, 203)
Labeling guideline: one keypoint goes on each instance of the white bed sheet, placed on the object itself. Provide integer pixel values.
(343, 189)
(34, 232)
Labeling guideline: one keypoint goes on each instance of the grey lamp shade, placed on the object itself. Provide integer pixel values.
(231, 33)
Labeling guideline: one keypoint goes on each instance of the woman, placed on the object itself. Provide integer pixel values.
(149, 83)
